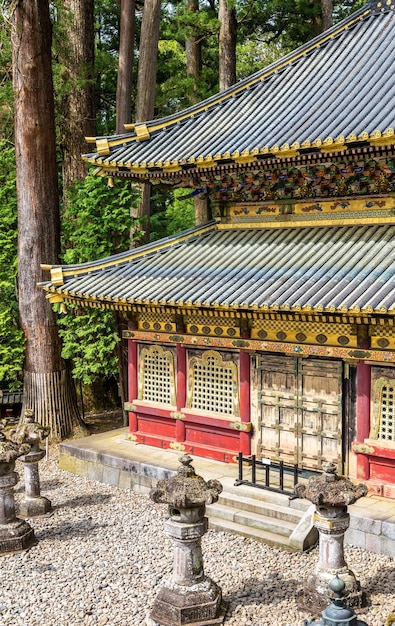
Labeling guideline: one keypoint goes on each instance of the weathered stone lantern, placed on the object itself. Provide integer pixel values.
(337, 612)
(15, 534)
(33, 504)
(189, 597)
(331, 495)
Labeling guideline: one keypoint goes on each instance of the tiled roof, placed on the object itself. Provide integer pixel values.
(349, 268)
(337, 89)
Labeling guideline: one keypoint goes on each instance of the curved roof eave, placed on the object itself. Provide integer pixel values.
(346, 269)
(206, 132)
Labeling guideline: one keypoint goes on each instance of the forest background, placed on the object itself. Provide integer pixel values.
(113, 62)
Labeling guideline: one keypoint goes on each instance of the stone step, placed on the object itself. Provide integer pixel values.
(252, 520)
(271, 510)
(264, 515)
(270, 538)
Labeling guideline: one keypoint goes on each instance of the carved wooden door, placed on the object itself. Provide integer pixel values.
(300, 410)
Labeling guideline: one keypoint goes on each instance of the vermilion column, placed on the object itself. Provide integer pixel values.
(245, 401)
(132, 381)
(363, 415)
(181, 393)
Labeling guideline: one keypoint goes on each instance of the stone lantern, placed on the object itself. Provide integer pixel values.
(331, 495)
(15, 534)
(189, 597)
(33, 504)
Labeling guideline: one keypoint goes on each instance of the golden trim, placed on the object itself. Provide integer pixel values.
(253, 345)
(86, 268)
(54, 298)
(245, 427)
(142, 132)
(294, 222)
(362, 448)
(191, 112)
(57, 278)
(129, 305)
(174, 445)
(129, 406)
(130, 437)
(102, 146)
(177, 416)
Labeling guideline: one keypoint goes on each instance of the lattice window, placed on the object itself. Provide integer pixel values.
(156, 375)
(384, 410)
(213, 384)
(386, 426)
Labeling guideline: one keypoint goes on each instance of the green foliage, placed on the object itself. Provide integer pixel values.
(96, 220)
(253, 55)
(89, 341)
(96, 224)
(172, 213)
(6, 92)
(173, 86)
(11, 337)
(287, 22)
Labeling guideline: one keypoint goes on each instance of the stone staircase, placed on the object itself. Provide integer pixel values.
(266, 516)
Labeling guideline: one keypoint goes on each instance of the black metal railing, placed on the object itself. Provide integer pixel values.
(267, 474)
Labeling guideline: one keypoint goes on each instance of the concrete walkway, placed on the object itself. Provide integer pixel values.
(113, 459)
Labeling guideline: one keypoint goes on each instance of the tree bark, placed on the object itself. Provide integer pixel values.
(148, 52)
(193, 52)
(124, 116)
(227, 45)
(145, 100)
(48, 386)
(78, 118)
(322, 18)
(327, 14)
(125, 65)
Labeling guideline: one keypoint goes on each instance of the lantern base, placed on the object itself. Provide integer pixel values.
(315, 592)
(16, 537)
(34, 507)
(201, 605)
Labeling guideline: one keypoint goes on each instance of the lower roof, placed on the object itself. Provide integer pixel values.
(345, 269)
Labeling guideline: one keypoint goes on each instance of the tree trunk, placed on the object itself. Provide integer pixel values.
(78, 118)
(48, 386)
(193, 51)
(125, 65)
(227, 45)
(124, 116)
(322, 17)
(148, 52)
(327, 14)
(145, 101)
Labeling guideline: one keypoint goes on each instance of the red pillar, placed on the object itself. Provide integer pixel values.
(132, 381)
(363, 415)
(245, 401)
(181, 357)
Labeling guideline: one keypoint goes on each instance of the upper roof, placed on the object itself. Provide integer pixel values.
(337, 90)
(346, 269)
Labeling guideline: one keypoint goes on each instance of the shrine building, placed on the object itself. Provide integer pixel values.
(271, 328)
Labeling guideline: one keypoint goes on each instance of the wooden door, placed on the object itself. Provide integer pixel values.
(300, 410)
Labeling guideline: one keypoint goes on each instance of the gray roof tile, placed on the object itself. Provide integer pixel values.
(349, 268)
(339, 85)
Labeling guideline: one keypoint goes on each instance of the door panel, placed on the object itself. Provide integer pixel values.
(278, 407)
(300, 404)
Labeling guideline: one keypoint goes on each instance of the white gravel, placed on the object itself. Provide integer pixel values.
(103, 553)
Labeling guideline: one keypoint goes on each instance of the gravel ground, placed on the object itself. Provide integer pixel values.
(103, 554)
